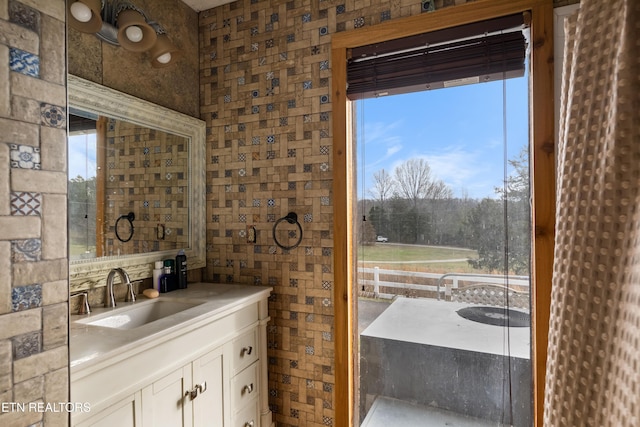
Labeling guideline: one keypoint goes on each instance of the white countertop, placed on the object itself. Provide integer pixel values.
(92, 346)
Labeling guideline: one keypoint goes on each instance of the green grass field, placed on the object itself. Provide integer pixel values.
(76, 251)
(394, 252)
(416, 257)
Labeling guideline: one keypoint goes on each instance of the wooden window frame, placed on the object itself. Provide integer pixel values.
(542, 160)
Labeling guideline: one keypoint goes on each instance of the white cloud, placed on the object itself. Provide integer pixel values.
(393, 150)
(381, 142)
(472, 169)
(463, 171)
(378, 132)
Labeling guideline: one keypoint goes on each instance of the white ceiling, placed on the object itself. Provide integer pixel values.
(200, 5)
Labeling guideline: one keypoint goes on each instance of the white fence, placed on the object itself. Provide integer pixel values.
(444, 282)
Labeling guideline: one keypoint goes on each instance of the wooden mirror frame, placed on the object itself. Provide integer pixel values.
(542, 160)
(100, 100)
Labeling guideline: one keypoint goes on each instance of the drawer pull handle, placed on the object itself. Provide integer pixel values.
(202, 387)
(249, 424)
(192, 393)
(247, 388)
(246, 351)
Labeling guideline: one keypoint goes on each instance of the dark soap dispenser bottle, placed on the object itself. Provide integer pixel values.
(167, 281)
(181, 269)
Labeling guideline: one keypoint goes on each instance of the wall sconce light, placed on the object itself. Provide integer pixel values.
(120, 23)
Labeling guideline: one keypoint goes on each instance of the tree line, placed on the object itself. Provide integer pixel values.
(412, 206)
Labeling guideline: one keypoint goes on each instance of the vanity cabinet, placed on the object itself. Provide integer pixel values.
(245, 379)
(208, 377)
(189, 396)
(125, 413)
(209, 372)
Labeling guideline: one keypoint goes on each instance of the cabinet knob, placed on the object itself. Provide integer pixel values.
(246, 351)
(247, 388)
(249, 424)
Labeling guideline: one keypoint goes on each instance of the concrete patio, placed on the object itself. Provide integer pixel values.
(421, 353)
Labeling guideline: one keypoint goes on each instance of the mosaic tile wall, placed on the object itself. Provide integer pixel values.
(33, 227)
(158, 198)
(265, 95)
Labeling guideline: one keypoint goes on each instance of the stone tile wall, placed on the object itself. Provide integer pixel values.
(266, 97)
(33, 206)
(147, 172)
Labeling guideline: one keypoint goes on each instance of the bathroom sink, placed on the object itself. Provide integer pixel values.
(138, 314)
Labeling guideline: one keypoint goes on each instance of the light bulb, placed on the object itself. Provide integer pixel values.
(81, 12)
(134, 33)
(164, 58)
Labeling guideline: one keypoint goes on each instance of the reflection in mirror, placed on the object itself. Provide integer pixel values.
(136, 184)
(128, 189)
(82, 187)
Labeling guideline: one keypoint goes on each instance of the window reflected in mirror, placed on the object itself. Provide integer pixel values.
(82, 188)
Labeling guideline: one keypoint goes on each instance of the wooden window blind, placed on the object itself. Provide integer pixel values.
(473, 53)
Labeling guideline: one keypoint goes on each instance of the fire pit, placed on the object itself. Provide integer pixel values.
(497, 316)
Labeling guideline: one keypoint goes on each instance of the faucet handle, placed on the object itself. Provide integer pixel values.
(131, 296)
(83, 305)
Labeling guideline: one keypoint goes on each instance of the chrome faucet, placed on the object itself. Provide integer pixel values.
(109, 300)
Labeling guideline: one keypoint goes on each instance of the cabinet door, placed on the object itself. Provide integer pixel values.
(207, 379)
(125, 413)
(167, 401)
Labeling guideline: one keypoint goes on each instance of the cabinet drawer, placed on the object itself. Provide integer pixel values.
(244, 387)
(248, 417)
(245, 351)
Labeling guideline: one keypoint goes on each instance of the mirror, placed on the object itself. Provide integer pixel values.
(136, 193)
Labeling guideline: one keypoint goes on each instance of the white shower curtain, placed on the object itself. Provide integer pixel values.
(593, 365)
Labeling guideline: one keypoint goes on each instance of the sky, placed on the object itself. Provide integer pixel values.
(82, 156)
(458, 130)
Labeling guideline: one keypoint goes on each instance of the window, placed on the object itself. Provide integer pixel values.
(82, 189)
(443, 252)
(543, 184)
